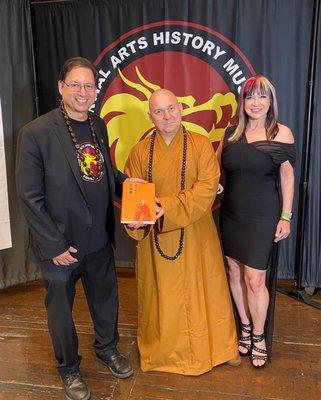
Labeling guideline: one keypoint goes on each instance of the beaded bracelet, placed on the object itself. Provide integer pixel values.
(286, 216)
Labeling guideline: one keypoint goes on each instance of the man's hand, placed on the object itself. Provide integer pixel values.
(139, 224)
(136, 225)
(65, 258)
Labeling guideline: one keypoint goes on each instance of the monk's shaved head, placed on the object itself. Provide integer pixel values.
(160, 94)
(166, 112)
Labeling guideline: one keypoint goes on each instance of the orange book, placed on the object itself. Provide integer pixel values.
(138, 203)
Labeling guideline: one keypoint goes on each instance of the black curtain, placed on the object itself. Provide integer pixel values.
(311, 260)
(274, 35)
(17, 97)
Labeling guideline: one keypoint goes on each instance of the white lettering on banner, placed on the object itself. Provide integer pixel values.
(142, 43)
(188, 39)
(218, 53)
(115, 60)
(175, 38)
(102, 76)
(129, 49)
(131, 45)
(208, 47)
(158, 38)
(123, 53)
(231, 68)
(199, 43)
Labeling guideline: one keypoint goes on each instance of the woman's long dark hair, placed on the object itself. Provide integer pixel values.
(257, 84)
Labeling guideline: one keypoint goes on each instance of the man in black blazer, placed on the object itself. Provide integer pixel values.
(66, 184)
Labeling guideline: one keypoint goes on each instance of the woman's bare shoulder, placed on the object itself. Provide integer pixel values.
(284, 135)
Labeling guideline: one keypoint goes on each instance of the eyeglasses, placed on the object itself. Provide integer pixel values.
(76, 86)
(160, 112)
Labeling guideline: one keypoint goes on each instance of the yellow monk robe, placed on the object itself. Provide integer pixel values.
(185, 319)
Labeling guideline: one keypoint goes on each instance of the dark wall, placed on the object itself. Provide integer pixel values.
(18, 107)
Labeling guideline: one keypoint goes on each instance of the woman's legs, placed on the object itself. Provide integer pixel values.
(239, 294)
(258, 302)
(251, 298)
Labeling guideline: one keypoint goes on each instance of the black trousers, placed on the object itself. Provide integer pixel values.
(98, 276)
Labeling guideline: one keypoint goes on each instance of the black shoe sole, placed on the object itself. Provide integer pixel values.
(120, 376)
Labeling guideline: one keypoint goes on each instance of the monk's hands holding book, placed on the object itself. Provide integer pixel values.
(135, 180)
(136, 225)
(140, 224)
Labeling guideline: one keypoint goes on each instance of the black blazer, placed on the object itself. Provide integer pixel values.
(51, 189)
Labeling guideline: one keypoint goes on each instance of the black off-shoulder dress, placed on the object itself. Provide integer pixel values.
(251, 206)
(251, 203)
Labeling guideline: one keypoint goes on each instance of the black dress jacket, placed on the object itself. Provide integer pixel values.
(51, 189)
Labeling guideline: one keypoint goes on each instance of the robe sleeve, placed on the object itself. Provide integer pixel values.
(133, 169)
(191, 204)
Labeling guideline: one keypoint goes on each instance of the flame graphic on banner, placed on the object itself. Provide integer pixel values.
(130, 122)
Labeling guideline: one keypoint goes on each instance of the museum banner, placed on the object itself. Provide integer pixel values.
(202, 51)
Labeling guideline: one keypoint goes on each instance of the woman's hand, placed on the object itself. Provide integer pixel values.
(283, 230)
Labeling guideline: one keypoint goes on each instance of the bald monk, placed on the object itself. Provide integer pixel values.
(185, 318)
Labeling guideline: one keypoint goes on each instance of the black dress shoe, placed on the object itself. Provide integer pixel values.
(74, 386)
(118, 365)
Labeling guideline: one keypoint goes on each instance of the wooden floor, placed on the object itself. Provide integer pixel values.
(27, 366)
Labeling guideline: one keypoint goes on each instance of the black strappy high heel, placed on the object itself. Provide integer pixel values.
(245, 328)
(263, 352)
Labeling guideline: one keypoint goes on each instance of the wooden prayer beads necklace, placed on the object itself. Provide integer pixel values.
(149, 177)
(77, 145)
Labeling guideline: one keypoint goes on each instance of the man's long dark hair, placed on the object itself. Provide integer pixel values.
(77, 62)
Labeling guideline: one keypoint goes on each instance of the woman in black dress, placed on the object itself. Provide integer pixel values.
(257, 155)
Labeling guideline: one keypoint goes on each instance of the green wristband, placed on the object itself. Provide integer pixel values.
(286, 216)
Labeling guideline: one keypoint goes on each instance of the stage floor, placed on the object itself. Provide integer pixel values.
(27, 366)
